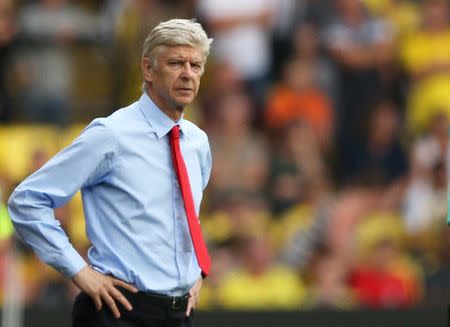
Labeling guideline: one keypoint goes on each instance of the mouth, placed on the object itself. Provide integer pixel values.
(184, 89)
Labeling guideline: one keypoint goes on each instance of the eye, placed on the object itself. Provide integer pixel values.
(175, 63)
(196, 67)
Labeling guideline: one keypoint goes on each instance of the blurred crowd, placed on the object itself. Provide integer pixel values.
(328, 123)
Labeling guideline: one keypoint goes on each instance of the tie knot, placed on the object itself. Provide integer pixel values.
(175, 132)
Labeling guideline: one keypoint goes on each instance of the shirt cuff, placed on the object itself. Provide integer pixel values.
(73, 262)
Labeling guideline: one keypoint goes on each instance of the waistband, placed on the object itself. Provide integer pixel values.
(172, 303)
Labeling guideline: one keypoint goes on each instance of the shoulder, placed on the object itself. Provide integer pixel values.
(107, 129)
(123, 117)
(123, 120)
(194, 131)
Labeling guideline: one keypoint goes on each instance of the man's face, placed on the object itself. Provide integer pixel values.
(175, 79)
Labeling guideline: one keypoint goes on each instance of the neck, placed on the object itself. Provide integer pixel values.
(172, 112)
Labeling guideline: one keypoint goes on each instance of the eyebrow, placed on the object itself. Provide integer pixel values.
(194, 61)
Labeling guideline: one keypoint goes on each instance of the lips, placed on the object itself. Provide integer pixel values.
(185, 91)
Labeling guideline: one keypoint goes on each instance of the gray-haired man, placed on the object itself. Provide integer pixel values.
(141, 171)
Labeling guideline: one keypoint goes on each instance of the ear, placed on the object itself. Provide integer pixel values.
(147, 69)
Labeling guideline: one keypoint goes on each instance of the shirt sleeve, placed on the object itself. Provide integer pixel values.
(85, 162)
(207, 164)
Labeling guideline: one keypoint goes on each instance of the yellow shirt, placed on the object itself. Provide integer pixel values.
(278, 288)
(431, 94)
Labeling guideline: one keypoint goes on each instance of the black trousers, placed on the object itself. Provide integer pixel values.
(149, 310)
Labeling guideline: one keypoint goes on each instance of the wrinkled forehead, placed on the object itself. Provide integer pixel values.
(182, 52)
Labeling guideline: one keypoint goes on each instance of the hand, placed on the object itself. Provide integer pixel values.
(103, 288)
(194, 295)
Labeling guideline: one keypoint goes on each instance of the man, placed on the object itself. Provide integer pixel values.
(141, 196)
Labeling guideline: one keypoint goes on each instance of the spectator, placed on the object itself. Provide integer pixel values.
(307, 47)
(237, 216)
(426, 59)
(225, 80)
(297, 167)
(361, 47)
(298, 97)
(328, 286)
(241, 31)
(384, 276)
(272, 176)
(260, 283)
(304, 229)
(287, 15)
(241, 160)
(379, 156)
(50, 28)
(425, 198)
(224, 260)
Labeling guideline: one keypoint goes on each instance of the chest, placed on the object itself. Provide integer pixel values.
(145, 166)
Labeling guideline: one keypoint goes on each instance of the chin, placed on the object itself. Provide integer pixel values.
(183, 102)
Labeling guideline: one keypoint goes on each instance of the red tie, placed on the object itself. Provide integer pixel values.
(194, 224)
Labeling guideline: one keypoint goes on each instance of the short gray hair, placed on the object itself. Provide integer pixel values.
(176, 32)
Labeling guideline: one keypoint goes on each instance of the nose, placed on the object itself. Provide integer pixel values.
(187, 72)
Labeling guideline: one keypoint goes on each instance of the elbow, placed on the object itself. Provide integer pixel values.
(12, 199)
(16, 205)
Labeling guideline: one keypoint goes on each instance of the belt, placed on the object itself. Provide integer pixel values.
(173, 303)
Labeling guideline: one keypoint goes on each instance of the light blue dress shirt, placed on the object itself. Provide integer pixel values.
(134, 212)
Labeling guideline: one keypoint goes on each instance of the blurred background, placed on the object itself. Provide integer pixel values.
(328, 123)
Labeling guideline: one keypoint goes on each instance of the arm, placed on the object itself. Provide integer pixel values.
(31, 204)
(362, 57)
(378, 52)
(353, 56)
(87, 161)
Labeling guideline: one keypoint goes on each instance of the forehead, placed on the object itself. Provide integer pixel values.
(182, 52)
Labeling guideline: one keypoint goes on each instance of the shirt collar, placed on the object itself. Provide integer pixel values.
(160, 122)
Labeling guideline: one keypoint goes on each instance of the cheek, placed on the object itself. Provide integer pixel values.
(197, 83)
(172, 84)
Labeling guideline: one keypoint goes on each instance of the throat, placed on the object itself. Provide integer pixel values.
(173, 111)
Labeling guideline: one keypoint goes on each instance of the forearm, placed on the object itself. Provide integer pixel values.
(363, 56)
